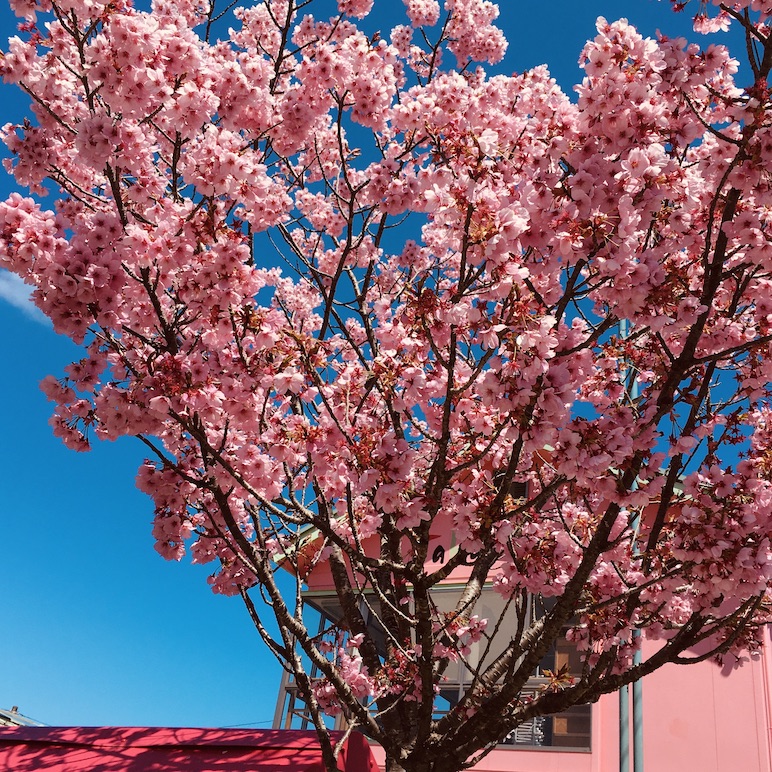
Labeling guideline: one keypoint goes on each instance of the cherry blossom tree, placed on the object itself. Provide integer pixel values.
(352, 291)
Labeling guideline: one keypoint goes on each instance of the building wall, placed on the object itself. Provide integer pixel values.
(709, 718)
(696, 718)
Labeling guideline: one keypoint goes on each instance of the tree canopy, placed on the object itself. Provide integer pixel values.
(354, 292)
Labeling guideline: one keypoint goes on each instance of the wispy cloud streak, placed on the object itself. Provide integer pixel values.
(16, 293)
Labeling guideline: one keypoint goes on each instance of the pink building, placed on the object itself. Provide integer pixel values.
(696, 718)
(162, 749)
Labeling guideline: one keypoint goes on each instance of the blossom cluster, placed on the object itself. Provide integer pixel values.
(576, 303)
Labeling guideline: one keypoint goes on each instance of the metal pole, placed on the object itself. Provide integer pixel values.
(637, 714)
(637, 685)
(624, 730)
(624, 704)
(624, 696)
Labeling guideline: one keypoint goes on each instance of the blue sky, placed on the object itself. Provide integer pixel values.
(97, 628)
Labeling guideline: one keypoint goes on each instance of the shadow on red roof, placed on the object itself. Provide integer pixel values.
(141, 749)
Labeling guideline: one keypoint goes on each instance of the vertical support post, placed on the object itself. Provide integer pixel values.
(624, 729)
(637, 714)
(637, 687)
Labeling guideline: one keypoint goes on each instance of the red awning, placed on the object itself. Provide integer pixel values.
(142, 749)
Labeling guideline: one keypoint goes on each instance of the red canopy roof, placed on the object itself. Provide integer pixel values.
(141, 749)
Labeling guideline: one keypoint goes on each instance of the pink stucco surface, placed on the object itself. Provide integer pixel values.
(709, 718)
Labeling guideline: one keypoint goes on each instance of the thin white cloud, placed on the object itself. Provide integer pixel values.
(15, 292)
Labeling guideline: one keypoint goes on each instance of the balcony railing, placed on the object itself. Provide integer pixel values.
(569, 730)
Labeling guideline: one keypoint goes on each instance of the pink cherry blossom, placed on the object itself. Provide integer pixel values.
(402, 329)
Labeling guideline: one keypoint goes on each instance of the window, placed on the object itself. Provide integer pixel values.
(570, 729)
